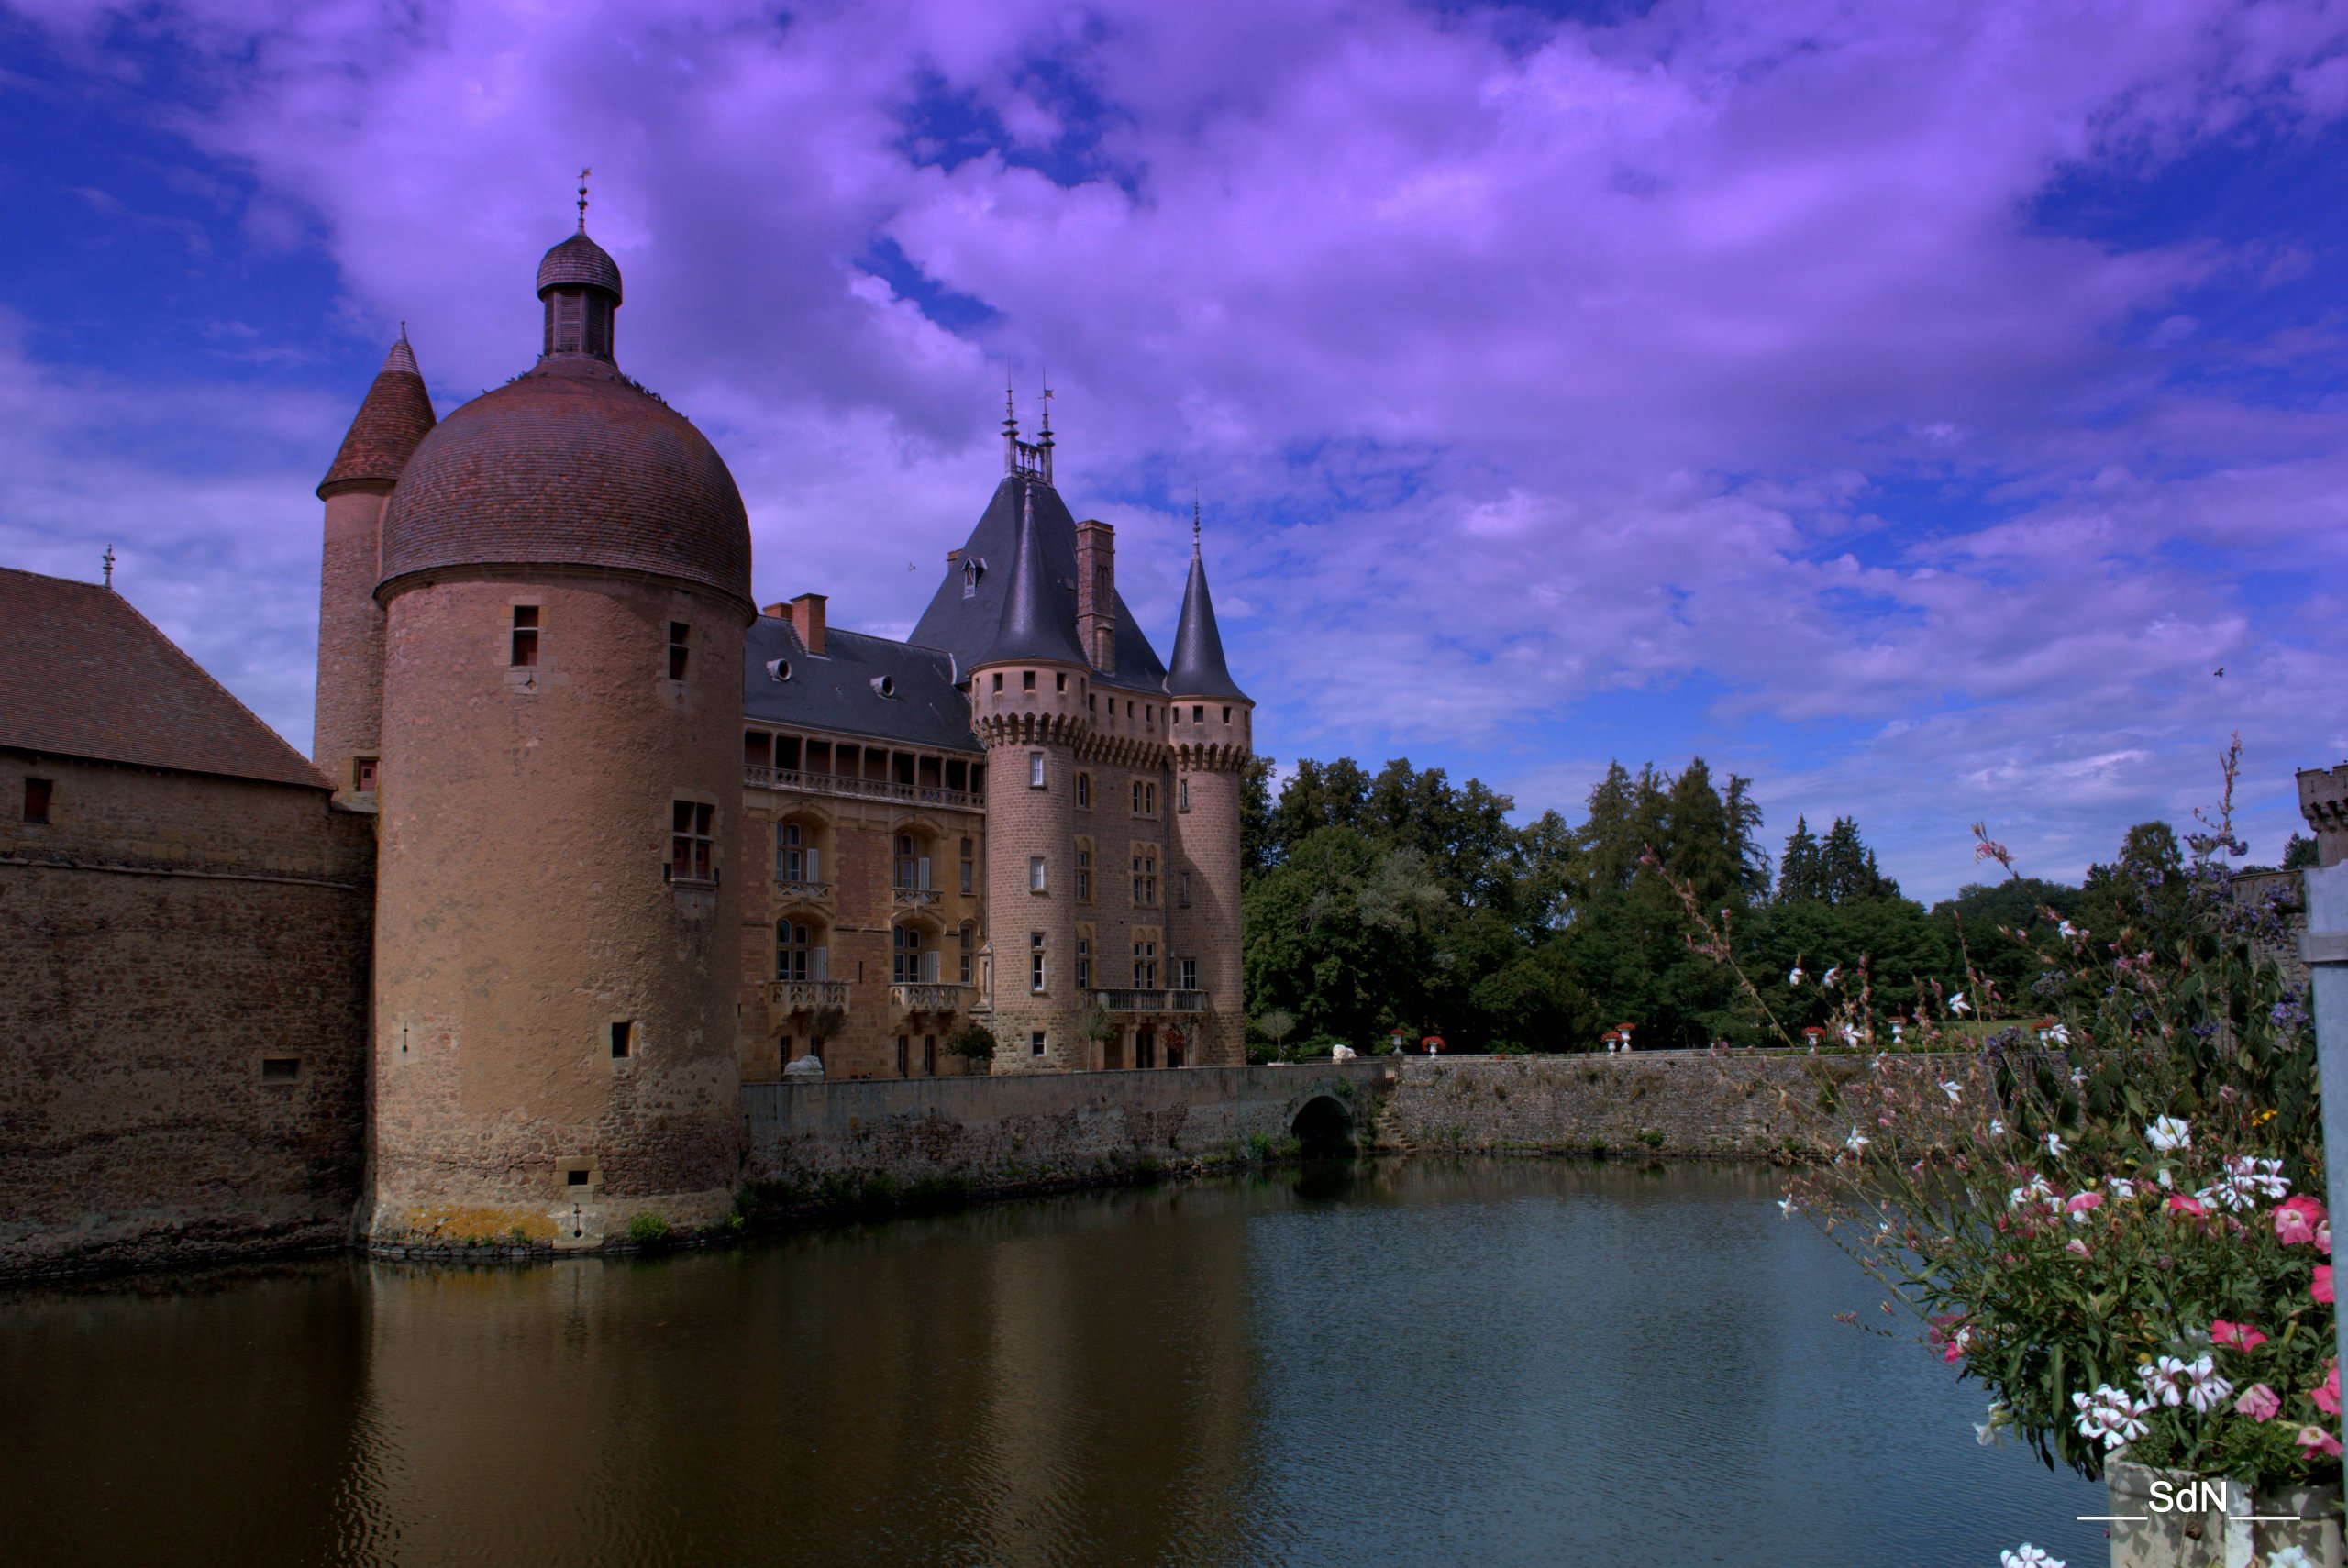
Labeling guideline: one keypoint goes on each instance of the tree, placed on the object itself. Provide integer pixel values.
(1277, 1024)
(1258, 849)
(973, 1042)
(1797, 872)
(2298, 854)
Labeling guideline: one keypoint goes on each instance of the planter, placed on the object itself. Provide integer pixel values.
(2214, 1532)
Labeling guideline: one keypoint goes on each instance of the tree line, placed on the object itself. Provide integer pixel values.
(1398, 900)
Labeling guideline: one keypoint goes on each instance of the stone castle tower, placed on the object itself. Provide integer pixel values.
(1212, 736)
(563, 581)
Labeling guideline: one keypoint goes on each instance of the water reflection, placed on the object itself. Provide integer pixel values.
(1498, 1362)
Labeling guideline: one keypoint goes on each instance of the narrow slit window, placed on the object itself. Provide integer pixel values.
(622, 1040)
(680, 648)
(526, 636)
(1035, 770)
(1034, 873)
(1035, 962)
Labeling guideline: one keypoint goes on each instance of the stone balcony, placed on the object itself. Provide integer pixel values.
(1153, 1001)
(841, 784)
(808, 892)
(931, 997)
(912, 898)
(804, 996)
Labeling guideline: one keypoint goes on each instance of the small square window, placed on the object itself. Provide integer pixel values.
(38, 794)
(526, 636)
(1197, 712)
(1027, 680)
(364, 771)
(622, 1040)
(1034, 1043)
(281, 1069)
(574, 1178)
(1059, 682)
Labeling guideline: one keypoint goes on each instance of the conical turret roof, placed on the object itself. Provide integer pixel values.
(391, 422)
(1034, 628)
(1199, 669)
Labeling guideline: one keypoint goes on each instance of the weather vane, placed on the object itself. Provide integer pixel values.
(108, 558)
(582, 199)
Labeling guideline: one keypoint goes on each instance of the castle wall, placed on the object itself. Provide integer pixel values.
(525, 907)
(160, 938)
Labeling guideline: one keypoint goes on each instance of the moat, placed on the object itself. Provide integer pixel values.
(1404, 1363)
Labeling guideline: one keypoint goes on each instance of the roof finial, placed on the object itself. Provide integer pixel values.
(108, 558)
(582, 199)
(1195, 521)
(1048, 402)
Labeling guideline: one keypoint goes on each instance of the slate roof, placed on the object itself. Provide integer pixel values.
(83, 674)
(966, 627)
(394, 418)
(570, 464)
(1033, 629)
(1199, 669)
(836, 692)
(578, 262)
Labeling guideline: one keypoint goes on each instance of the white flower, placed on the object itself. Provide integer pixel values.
(2061, 1035)
(2067, 929)
(2029, 1556)
(2123, 1187)
(1991, 1432)
(2254, 1174)
(1952, 1088)
(2111, 1415)
(2161, 1176)
(1856, 1141)
(2291, 1557)
(1793, 976)
(2078, 1076)
(2163, 1380)
(2208, 1390)
(2055, 1146)
(1831, 976)
(1849, 1035)
(2168, 1133)
(1958, 1005)
(1786, 1208)
(1996, 1128)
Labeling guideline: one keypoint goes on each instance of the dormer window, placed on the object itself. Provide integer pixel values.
(972, 569)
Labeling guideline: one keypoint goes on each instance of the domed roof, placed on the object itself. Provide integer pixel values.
(570, 465)
(579, 263)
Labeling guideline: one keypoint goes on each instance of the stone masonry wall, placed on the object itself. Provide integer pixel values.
(161, 937)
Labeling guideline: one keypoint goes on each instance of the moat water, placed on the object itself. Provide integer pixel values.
(1505, 1363)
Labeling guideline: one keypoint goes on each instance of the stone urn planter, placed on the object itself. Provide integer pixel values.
(2170, 1518)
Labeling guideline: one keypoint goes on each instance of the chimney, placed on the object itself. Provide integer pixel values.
(807, 619)
(1096, 593)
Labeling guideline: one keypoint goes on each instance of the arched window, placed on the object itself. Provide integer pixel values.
(912, 861)
(798, 953)
(912, 957)
(795, 856)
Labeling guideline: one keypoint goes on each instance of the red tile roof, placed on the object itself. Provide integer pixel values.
(83, 674)
(395, 415)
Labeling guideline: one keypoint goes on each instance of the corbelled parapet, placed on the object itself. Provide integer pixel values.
(2323, 800)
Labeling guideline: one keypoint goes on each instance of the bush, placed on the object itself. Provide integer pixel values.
(973, 1042)
(645, 1227)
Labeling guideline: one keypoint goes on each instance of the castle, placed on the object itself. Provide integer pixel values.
(635, 842)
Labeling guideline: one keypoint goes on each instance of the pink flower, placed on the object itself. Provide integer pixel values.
(2323, 1238)
(2081, 1205)
(2321, 1290)
(2076, 1245)
(2315, 1441)
(2296, 1220)
(2258, 1402)
(2241, 1336)
(2327, 1399)
(2180, 1204)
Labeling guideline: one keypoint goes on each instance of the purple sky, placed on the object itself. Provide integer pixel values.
(1908, 406)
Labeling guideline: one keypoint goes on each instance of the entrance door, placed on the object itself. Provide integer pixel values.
(1145, 1048)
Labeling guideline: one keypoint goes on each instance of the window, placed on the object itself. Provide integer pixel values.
(1190, 974)
(905, 957)
(1182, 795)
(691, 845)
(1083, 871)
(1149, 712)
(965, 969)
(911, 865)
(1035, 962)
(904, 1050)
(622, 1040)
(1145, 962)
(930, 1055)
(794, 857)
(796, 956)
(1145, 877)
(1027, 681)
(1226, 715)
(1084, 792)
(281, 1069)
(969, 866)
(998, 680)
(680, 640)
(1145, 798)
(1034, 1043)
(38, 793)
(1036, 874)
(1182, 891)
(1083, 961)
(1059, 682)
(525, 636)
(362, 772)
(1035, 770)
(1199, 713)
(969, 579)
(575, 1176)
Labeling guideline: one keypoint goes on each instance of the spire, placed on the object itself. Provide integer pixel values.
(1199, 669)
(395, 417)
(1034, 628)
(1010, 428)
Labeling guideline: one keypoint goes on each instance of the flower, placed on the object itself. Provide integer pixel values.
(2074, 1246)
(2029, 1556)
(1793, 976)
(2061, 1035)
(1989, 1433)
(2111, 1415)
(1958, 1005)
(2296, 1220)
(2163, 1380)
(2237, 1336)
(2258, 1402)
(2327, 1396)
(2078, 1076)
(1831, 976)
(2168, 1133)
(2180, 1204)
(2123, 1187)
(1952, 1088)
(2054, 1144)
(2321, 1289)
(2263, 1178)
(1856, 1141)
(2291, 1557)
(1786, 1208)
(2066, 929)
(1996, 1128)
(2315, 1441)
(2207, 1390)
(2083, 1206)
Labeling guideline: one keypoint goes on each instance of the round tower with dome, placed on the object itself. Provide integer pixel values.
(1212, 732)
(565, 583)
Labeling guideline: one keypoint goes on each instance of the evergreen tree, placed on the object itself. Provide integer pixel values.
(1260, 849)
(2299, 853)
(1797, 872)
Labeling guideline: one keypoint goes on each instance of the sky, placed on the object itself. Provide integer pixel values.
(1911, 408)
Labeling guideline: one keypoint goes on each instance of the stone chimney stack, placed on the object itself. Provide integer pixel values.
(1096, 593)
(2323, 800)
(807, 619)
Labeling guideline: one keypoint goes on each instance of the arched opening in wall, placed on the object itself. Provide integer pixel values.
(1323, 1126)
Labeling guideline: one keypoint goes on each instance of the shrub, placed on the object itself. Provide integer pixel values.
(972, 1041)
(645, 1227)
